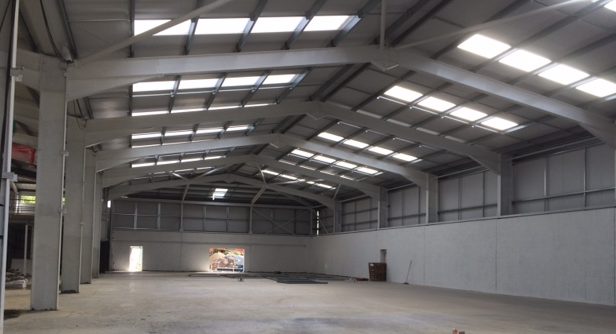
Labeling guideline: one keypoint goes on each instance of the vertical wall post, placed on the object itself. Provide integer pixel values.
(87, 217)
(504, 191)
(382, 209)
(97, 213)
(71, 241)
(431, 200)
(49, 187)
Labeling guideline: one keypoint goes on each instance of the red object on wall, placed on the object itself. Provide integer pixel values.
(24, 153)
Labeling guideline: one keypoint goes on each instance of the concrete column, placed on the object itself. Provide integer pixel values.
(382, 209)
(504, 191)
(96, 227)
(49, 189)
(431, 200)
(87, 217)
(71, 243)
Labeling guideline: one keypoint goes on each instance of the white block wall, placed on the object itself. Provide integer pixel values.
(564, 256)
(189, 251)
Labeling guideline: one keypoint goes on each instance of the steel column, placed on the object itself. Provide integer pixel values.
(87, 217)
(505, 188)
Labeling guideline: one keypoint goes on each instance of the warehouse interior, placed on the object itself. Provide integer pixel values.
(337, 166)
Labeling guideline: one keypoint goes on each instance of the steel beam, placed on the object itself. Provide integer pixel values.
(483, 156)
(111, 158)
(100, 130)
(119, 191)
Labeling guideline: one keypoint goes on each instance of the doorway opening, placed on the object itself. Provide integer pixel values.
(227, 260)
(135, 261)
(383, 256)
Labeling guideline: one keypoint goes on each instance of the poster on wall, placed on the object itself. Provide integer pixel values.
(227, 259)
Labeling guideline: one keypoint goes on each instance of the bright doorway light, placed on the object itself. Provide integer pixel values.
(135, 260)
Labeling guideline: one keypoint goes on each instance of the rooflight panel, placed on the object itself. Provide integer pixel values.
(611, 5)
(327, 22)
(223, 26)
(142, 164)
(149, 113)
(484, 46)
(197, 83)
(178, 133)
(178, 111)
(240, 81)
(203, 131)
(153, 86)
(302, 153)
(145, 135)
(404, 94)
(380, 150)
(435, 103)
(278, 79)
(330, 136)
(366, 170)
(404, 157)
(276, 24)
(142, 26)
(355, 143)
(468, 114)
(238, 128)
(598, 87)
(322, 158)
(524, 60)
(499, 123)
(186, 160)
(213, 157)
(563, 74)
(167, 162)
(270, 172)
(345, 164)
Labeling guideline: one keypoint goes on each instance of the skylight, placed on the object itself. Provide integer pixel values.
(380, 150)
(499, 123)
(524, 60)
(221, 26)
(142, 26)
(563, 74)
(185, 160)
(177, 111)
(367, 170)
(324, 159)
(223, 107)
(240, 81)
(167, 162)
(153, 86)
(436, 104)
(404, 157)
(145, 135)
(323, 185)
(355, 143)
(178, 133)
(276, 24)
(468, 114)
(484, 46)
(219, 193)
(611, 5)
(288, 177)
(149, 113)
(345, 164)
(213, 157)
(269, 171)
(208, 130)
(327, 22)
(278, 79)
(197, 83)
(330, 136)
(238, 128)
(598, 87)
(403, 94)
(142, 164)
(302, 153)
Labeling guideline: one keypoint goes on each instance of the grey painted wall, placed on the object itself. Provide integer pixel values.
(563, 256)
(188, 251)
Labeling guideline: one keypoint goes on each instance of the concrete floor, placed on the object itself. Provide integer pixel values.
(175, 303)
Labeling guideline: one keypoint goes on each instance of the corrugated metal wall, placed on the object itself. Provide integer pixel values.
(190, 217)
(571, 179)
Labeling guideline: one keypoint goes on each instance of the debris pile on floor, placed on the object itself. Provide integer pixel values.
(16, 280)
(280, 277)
